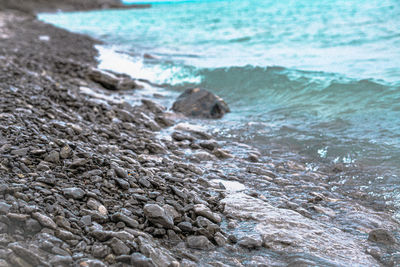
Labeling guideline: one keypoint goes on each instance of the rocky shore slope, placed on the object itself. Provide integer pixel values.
(88, 180)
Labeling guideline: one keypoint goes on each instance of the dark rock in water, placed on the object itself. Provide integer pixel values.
(196, 102)
(380, 235)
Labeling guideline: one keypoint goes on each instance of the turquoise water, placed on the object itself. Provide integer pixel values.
(318, 79)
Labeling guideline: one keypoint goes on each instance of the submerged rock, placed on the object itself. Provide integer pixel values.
(287, 230)
(196, 102)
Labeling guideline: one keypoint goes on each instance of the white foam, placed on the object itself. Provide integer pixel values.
(135, 67)
(231, 186)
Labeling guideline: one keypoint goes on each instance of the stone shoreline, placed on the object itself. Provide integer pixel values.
(88, 181)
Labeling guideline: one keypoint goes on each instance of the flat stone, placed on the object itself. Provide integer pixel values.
(158, 215)
(120, 217)
(74, 192)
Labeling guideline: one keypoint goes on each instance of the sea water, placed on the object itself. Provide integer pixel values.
(318, 81)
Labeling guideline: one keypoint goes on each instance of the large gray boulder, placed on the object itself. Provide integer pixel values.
(200, 103)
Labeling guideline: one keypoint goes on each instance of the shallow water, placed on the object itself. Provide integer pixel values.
(310, 81)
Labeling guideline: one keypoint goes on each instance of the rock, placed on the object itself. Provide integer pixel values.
(26, 254)
(139, 260)
(110, 81)
(120, 217)
(158, 215)
(4, 207)
(188, 263)
(120, 172)
(59, 260)
(101, 235)
(44, 220)
(53, 157)
(65, 152)
(260, 171)
(152, 106)
(118, 247)
(78, 162)
(18, 262)
(252, 241)
(199, 242)
(20, 152)
(381, 235)
(222, 154)
(204, 211)
(74, 192)
(198, 102)
(3, 263)
(122, 183)
(32, 226)
(185, 227)
(219, 239)
(100, 251)
(91, 263)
